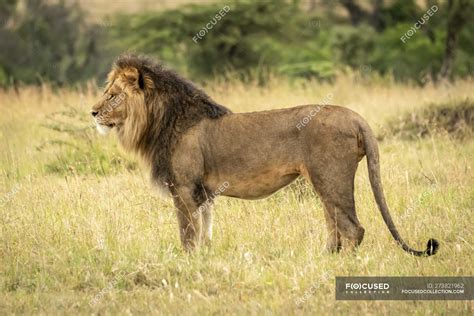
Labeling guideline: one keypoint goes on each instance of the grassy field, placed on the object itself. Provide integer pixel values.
(83, 233)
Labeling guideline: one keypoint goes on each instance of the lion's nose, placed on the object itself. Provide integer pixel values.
(94, 113)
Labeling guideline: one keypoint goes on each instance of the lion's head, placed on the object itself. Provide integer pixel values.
(123, 105)
(150, 107)
(123, 102)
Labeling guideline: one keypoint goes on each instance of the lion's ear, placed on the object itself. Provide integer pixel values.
(137, 80)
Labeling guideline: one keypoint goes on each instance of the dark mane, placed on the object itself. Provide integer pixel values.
(183, 95)
(174, 105)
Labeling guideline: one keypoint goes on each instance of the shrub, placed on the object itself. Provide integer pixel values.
(75, 147)
(455, 119)
(45, 41)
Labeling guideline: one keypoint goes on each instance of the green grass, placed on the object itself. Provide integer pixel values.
(71, 234)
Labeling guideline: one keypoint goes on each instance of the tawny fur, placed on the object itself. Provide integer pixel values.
(193, 145)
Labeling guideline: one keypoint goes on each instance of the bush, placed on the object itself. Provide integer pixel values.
(279, 35)
(75, 147)
(455, 119)
(45, 41)
(250, 35)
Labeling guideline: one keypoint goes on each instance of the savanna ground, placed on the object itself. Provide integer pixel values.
(78, 219)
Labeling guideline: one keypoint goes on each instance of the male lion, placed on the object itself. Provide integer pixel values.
(197, 149)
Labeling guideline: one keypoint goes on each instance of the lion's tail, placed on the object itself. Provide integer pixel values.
(372, 153)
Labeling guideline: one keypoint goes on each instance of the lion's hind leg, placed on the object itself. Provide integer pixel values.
(335, 187)
(346, 225)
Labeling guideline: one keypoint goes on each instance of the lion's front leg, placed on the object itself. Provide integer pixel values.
(207, 224)
(189, 219)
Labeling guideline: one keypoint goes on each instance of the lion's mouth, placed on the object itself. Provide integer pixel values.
(104, 129)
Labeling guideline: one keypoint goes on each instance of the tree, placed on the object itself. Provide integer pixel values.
(45, 40)
(358, 14)
(458, 14)
(355, 11)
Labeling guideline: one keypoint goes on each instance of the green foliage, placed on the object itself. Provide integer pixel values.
(279, 35)
(51, 41)
(76, 148)
(250, 35)
(401, 11)
(352, 44)
(45, 42)
(87, 160)
(416, 58)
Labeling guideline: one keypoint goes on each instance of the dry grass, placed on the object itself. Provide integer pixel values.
(92, 225)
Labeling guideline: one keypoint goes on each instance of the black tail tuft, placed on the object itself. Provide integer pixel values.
(432, 247)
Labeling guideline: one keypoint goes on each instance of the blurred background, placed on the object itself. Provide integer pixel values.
(69, 42)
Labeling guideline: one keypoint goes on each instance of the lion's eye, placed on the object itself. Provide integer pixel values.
(109, 97)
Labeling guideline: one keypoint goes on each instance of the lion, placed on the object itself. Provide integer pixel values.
(197, 149)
